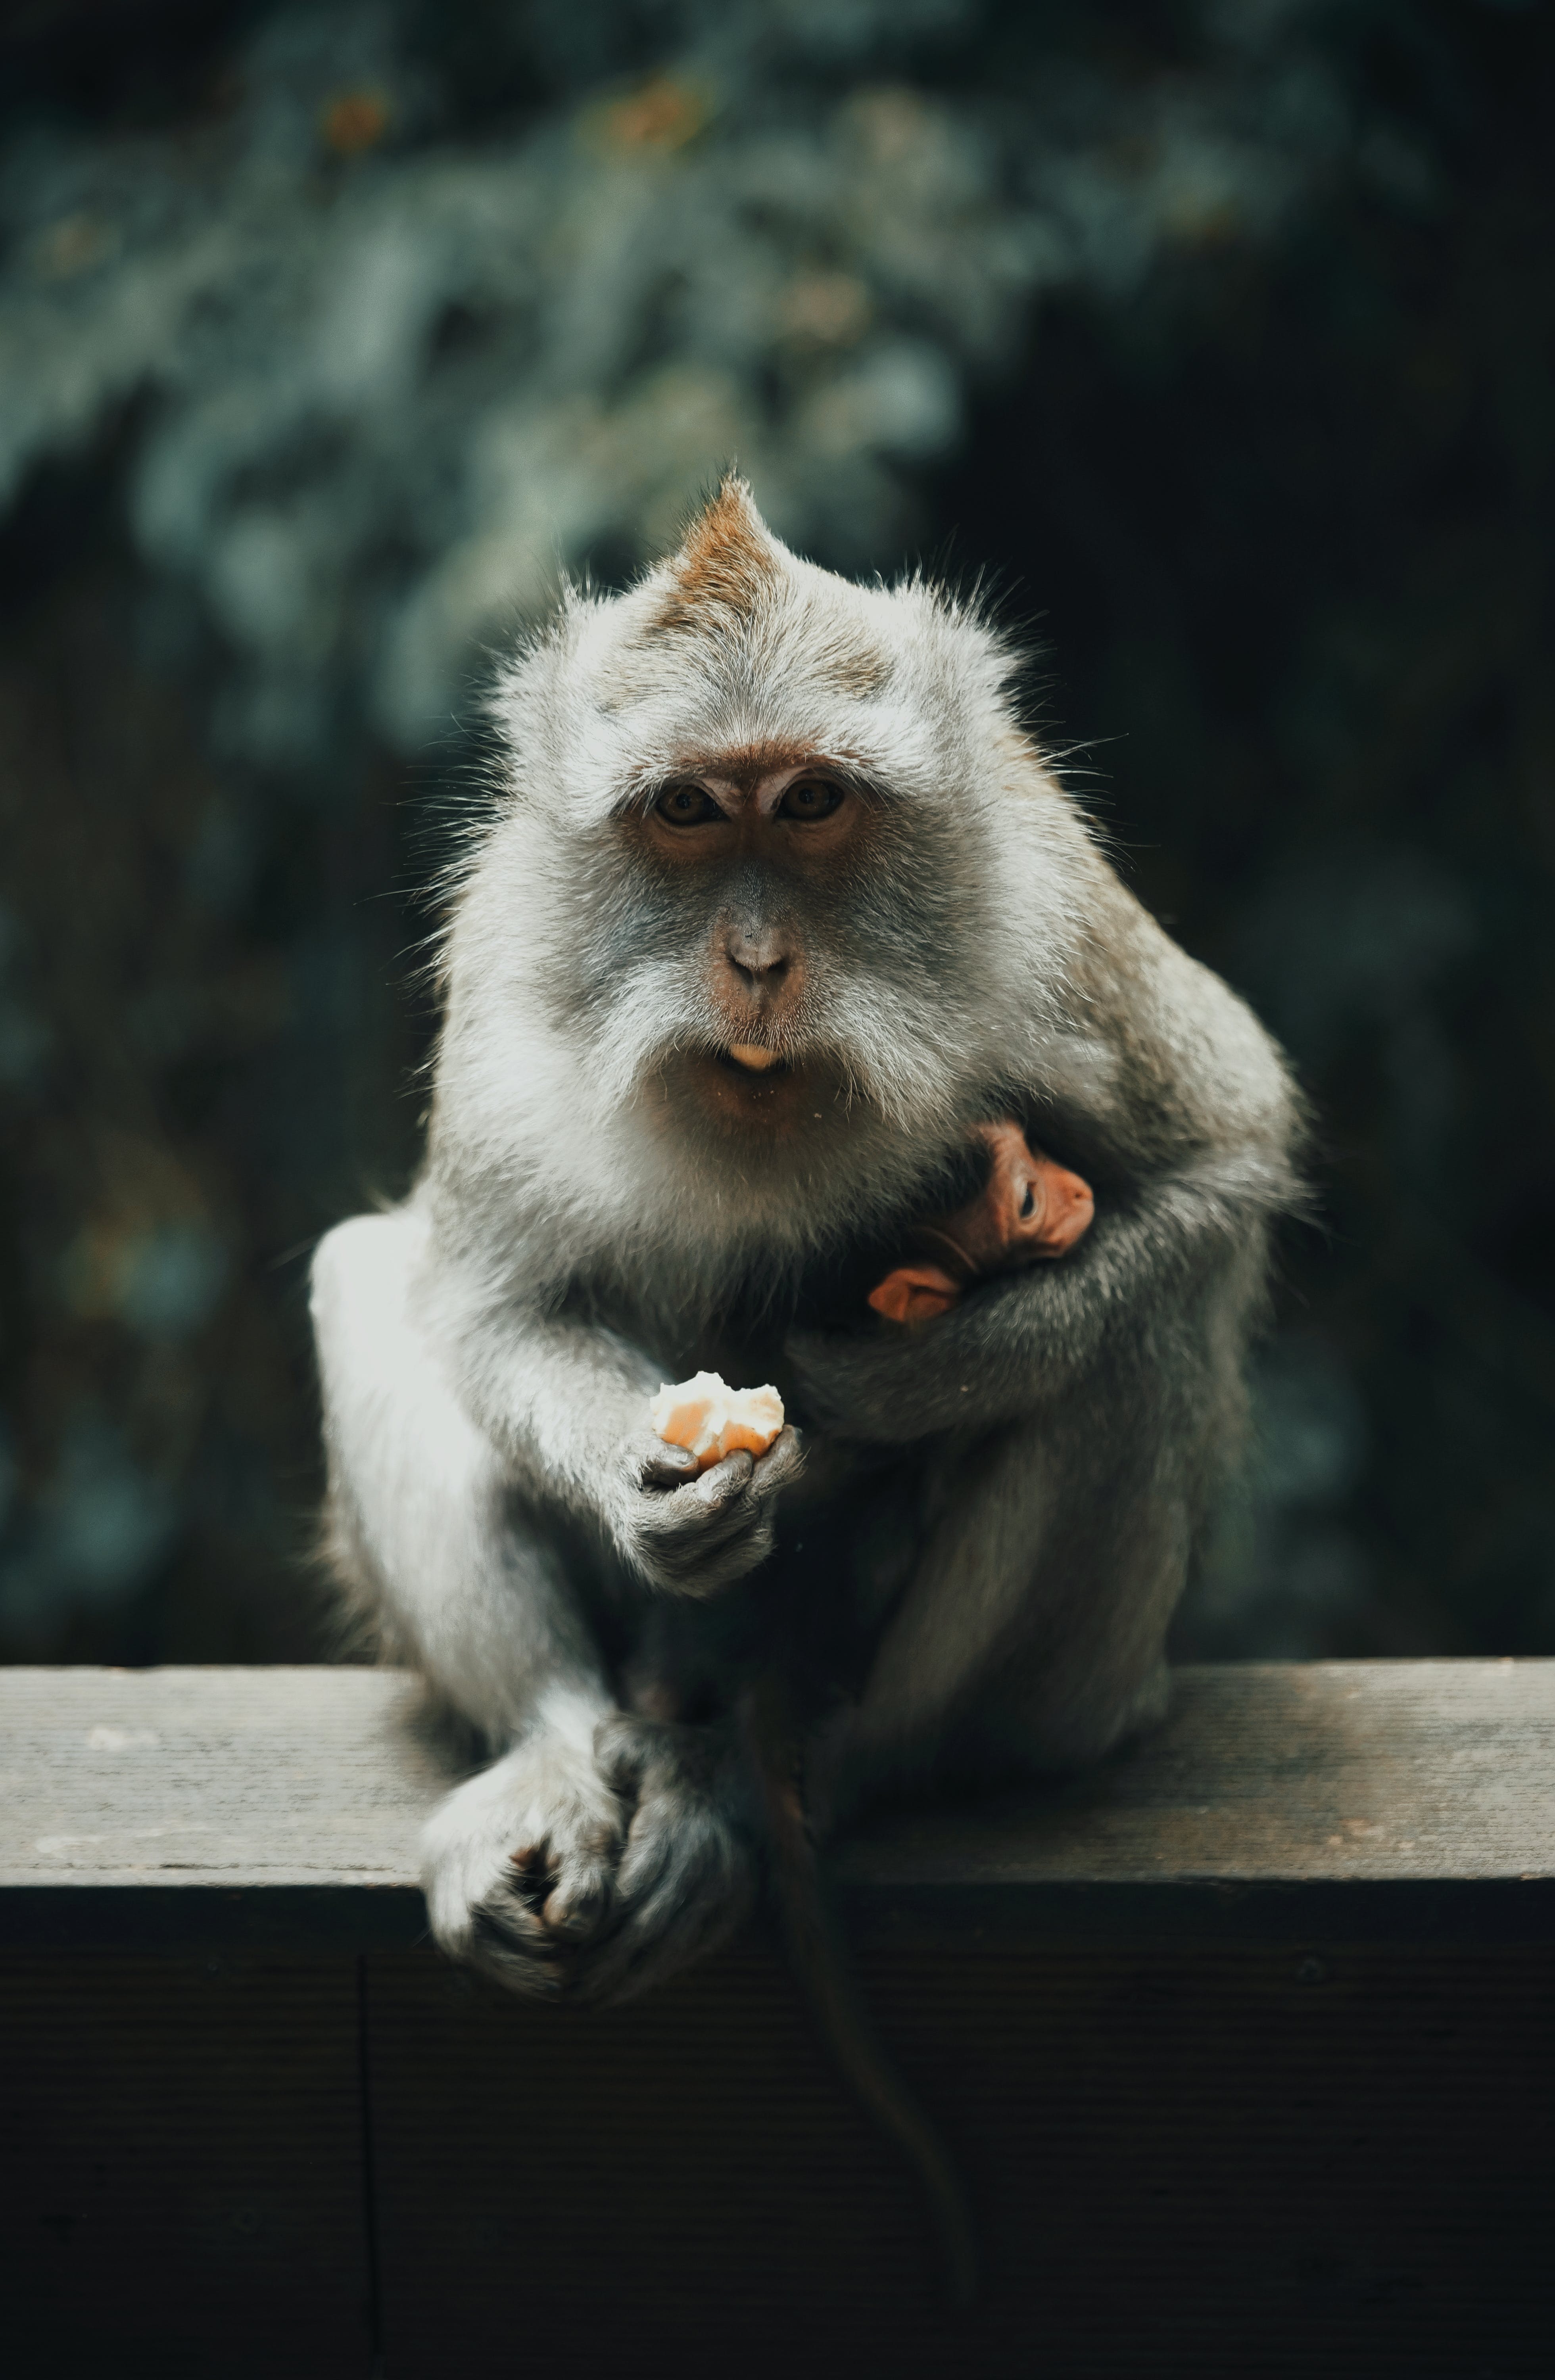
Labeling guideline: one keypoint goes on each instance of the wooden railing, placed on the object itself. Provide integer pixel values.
(1245, 2045)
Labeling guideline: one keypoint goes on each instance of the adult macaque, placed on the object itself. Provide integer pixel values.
(777, 904)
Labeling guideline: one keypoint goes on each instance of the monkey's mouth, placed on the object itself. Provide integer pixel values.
(750, 1058)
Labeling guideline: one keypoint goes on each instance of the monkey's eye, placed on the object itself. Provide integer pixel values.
(812, 798)
(687, 805)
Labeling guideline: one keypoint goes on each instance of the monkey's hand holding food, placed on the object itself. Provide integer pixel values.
(705, 1508)
(1029, 1208)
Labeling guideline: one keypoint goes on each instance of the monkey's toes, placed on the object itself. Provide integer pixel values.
(566, 1895)
(519, 1865)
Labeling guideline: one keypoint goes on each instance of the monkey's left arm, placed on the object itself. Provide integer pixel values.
(1024, 1339)
(1203, 1121)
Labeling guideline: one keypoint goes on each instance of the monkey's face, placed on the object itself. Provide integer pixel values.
(754, 855)
(771, 906)
(771, 961)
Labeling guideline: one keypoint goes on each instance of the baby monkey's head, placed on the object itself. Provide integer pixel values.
(769, 870)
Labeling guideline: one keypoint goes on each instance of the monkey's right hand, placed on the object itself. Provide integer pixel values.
(689, 1534)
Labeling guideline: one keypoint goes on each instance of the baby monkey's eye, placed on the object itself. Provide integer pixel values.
(687, 805)
(812, 798)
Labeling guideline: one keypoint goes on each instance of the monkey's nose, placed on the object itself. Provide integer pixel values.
(760, 961)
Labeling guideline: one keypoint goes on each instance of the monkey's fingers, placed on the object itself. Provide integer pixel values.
(622, 1748)
(700, 1497)
(704, 1510)
(684, 1884)
(532, 1881)
(662, 1465)
(526, 1927)
(659, 1937)
(707, 1533)
(521, 1956)
(723, 1484)
(566, 1889)
(781, 1463)
(579, 1898)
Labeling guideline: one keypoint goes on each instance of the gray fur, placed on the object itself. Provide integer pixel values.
(1007, 1498)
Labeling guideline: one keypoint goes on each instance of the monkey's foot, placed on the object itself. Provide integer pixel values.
(558, 1873)
(518, 1865)
(687, 1872)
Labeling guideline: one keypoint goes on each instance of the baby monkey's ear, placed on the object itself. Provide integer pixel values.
(914, 1294)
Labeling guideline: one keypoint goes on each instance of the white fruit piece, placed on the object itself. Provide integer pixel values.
(713, 1419)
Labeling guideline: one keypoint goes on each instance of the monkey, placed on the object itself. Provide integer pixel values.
(775, 904)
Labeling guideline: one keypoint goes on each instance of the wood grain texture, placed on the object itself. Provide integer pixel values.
(315, 1775)
(283, 1805)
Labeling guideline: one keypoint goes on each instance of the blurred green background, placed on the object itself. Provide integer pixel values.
(1218, 337)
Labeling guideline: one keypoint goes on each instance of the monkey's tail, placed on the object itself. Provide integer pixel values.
(823, 1970)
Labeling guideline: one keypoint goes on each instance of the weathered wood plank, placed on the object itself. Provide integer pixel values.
(1243, 2044)
(282, 1806)
(285, 1776)
(1390, 1800)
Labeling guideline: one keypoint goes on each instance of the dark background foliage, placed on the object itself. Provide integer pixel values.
(1221, 338)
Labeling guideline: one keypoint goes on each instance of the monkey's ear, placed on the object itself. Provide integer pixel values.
(729, 561)
(914, 1294)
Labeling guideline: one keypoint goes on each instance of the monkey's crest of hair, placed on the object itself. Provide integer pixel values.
(937, 964)
(727, 563)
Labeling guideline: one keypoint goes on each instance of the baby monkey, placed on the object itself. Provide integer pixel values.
(775, 910)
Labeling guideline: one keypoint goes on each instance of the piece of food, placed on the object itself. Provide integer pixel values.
(713, 1419)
